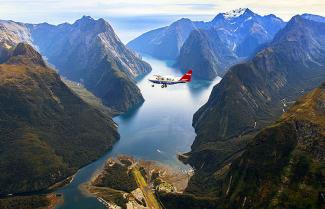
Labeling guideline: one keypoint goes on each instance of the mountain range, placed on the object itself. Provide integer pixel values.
(87, 51)
(233, 147)
(259, 143)
(210, 48)
(254, 93)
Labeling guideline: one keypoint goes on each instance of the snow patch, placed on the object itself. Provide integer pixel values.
(234, 13)
(248, 19)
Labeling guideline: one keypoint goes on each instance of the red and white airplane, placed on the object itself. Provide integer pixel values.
(167, 80)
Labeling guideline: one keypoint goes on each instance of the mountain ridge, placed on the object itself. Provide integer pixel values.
(242, 33)
(80, 51)
(298, 139)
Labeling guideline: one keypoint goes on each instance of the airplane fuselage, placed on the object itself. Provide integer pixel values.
(165, 80)
(168, 80)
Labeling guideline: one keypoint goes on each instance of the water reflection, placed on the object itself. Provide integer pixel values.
(127, 117)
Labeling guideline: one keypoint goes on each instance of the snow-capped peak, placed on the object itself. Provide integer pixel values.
(234, 13)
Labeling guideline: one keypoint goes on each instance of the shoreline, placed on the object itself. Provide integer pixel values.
(52, 190)
(154, 176)
(49, 190)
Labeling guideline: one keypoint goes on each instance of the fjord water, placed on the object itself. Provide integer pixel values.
(158, 130)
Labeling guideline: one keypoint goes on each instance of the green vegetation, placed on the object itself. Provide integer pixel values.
(241, 149)
(88, 97)
(47, 131)
(253, 94)
(25, 202)
(94, 57)
(116, 89)
(117, 177)
(282, 167)
(109, 194)
(186, 201)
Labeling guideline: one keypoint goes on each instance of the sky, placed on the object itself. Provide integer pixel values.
(58, 11)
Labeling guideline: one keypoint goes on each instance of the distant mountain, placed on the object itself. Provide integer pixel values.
(240, 33)
(315, 18)
(166, 42)
(47, 132)
(253, 94)
(282, 167)
(74, 47)
(89, 52)
(11, 33)
(243, 22)
(206, 53)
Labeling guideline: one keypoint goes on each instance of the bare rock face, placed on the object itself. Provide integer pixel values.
(206, 54)
(76, 48)
(228, 39)
(166, 42)
(11, 33)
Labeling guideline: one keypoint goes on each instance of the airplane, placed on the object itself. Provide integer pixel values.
(167, 80)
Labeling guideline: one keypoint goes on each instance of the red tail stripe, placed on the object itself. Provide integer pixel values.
(187, 76)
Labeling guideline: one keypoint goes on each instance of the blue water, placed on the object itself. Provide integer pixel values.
(158, 130)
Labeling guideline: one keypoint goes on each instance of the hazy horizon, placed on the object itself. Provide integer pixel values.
(130, 19)
(59, 11)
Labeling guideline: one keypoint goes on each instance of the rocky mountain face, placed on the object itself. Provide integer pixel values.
(228, 38)
(253, 94)
(74, 48)
(11, 33)
(166, 42)
(87, 51)
(231, 38)
(247, 30)
(207, 54)
(47, 131)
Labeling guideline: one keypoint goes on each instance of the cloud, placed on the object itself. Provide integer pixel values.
(56, 11)
(201, 7)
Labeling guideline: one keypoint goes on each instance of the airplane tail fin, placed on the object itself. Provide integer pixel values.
(187, 77)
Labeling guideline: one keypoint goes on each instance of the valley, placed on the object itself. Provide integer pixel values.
(156, 139)
(92, 132)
